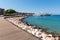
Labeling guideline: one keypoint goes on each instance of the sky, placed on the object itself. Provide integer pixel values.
(51, 6)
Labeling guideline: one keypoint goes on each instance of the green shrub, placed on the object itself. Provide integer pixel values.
(7, 14)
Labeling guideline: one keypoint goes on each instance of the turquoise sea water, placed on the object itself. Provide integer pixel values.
(51, 23)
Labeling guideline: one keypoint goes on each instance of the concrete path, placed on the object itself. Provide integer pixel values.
(10, 32)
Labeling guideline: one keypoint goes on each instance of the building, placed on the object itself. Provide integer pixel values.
(1, 11)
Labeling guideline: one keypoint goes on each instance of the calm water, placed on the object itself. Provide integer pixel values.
(51, 23)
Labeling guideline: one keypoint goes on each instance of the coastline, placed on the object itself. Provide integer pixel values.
(38, 32)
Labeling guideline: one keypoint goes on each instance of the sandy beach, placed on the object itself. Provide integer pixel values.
(10, 32)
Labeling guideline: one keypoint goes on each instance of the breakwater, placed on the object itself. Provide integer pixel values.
(38, 32)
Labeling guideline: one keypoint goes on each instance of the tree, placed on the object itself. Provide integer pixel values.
(9, 12)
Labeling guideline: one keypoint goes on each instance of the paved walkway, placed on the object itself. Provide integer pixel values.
(10, 32)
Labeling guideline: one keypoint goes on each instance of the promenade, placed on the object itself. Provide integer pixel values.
(10, 32)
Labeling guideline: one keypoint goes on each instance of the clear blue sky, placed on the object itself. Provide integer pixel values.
(52, 6)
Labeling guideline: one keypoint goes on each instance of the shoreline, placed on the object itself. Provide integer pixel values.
(38, 32)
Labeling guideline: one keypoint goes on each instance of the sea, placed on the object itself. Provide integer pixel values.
(50, 23)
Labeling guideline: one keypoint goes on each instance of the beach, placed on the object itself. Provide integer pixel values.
(30, 20)
(37, 32)
(9, 31)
